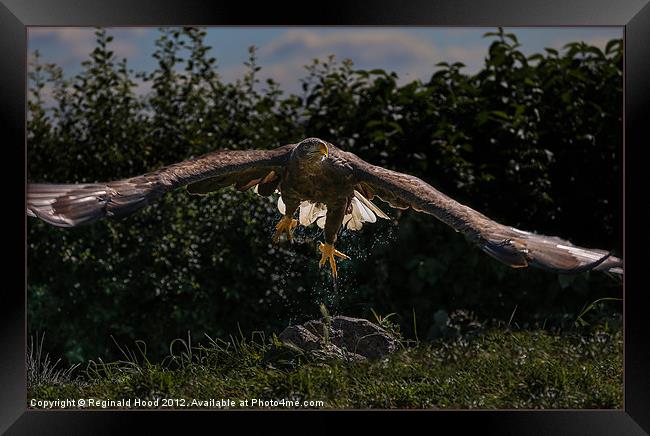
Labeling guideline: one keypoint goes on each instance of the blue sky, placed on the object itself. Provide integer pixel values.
(412, 52)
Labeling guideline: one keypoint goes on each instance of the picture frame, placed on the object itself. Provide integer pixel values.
(632, 15)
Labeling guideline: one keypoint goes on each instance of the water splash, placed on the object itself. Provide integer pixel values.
(296, 264)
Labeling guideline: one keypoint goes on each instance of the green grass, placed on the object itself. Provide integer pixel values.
(497, 369)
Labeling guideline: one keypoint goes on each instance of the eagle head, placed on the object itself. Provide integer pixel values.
(312, 149)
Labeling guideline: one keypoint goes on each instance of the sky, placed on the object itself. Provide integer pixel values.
(411, 52)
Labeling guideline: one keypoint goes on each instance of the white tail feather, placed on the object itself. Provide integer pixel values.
(370, 205)
(310, 212)
(281, 206)
(363, 211)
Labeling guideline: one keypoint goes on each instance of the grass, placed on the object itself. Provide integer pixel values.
(41, 371)
(499, 368)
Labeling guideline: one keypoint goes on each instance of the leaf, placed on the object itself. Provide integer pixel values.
(500, 114)
(512, 37)
(374, 123)
(613, 45)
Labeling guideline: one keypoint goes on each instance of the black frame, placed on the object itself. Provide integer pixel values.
(634, 15)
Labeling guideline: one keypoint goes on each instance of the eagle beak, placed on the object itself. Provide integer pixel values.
(322, 149)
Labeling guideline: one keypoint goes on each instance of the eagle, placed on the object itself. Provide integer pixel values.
(323, 184)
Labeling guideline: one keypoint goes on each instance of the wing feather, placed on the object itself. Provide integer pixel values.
(76, 204)
(511, 246)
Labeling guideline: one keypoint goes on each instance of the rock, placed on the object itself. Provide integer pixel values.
(332, 352)
(362, 337)
(344, 338)
(300, 337)
(315, 326)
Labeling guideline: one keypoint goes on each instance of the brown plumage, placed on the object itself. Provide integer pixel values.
(317, 172)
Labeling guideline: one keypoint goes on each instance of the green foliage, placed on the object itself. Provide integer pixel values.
(533, 142)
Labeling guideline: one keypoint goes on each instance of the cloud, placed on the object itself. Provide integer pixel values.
(285, 57)
(409, 55)
(70, 45)
(472, 56)
(598, 41)
(366, 47)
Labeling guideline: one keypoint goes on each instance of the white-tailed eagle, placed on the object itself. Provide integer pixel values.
(328, 186)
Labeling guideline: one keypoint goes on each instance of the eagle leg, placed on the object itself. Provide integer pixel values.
(285, 225)
(327, 253)
(333, 222)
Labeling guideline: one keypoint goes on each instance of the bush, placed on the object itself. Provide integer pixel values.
(533, 142)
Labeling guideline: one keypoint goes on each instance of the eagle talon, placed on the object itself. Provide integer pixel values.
(285, 225)
(327, 253)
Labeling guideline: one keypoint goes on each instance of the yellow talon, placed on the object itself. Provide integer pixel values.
(285, 225)
(327, 253)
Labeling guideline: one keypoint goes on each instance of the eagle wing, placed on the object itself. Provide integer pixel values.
(509, 245)
(75, 204)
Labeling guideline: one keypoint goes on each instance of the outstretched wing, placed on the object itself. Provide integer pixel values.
(73, 205)
(511, 246)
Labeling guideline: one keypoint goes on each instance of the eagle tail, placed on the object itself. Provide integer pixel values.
(362, 210)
